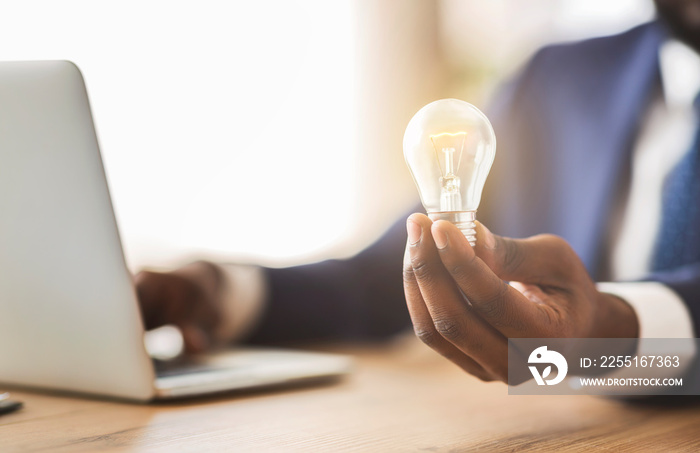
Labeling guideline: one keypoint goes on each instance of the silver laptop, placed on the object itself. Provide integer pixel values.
(69, 317)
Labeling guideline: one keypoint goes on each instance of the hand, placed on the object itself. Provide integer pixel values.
(462, 307)
(188, 298)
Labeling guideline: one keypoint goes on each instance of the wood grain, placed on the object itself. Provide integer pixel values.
(401, 398)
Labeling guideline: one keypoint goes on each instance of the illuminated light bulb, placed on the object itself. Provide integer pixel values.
(449, 146)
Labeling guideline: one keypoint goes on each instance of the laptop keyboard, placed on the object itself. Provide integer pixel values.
(179, 367)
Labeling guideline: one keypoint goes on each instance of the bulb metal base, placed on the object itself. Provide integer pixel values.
(464, 220)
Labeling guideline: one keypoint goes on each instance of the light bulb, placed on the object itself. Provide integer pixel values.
(449, 146)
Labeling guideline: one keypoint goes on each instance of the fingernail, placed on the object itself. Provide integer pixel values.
(414, 232)
(440, 238)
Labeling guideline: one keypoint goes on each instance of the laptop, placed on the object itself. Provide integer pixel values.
(69, 317)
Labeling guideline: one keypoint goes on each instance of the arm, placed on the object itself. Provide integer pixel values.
(357, 298)
(360, 298)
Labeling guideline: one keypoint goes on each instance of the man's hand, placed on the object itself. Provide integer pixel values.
(462, 307)
(189, 298)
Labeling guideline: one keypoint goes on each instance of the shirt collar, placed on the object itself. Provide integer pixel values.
(680, 74)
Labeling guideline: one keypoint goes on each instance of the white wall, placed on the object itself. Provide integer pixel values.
(226, 127)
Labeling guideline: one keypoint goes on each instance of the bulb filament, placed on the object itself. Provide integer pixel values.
(450, 197)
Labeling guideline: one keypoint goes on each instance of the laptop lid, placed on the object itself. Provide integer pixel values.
(69, 317)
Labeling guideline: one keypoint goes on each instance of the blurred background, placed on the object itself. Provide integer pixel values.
(270, 131)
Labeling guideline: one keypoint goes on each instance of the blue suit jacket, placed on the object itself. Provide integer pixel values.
(565, 127)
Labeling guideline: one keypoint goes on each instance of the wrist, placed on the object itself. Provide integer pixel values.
(614, 318)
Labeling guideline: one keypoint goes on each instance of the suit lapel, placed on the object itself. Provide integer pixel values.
(598, 139)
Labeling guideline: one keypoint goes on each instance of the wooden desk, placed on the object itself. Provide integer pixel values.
(401, 398)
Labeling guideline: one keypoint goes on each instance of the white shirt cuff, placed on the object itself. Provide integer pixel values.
(661, 313)
(244, 292)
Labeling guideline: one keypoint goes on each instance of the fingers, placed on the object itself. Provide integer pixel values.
(195, 338)
(502, 306)
(448, 313)
(425, 330)
(168, 298)
(151, 297)
(542, 259)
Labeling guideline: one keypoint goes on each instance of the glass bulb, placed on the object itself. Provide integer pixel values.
(449, 146)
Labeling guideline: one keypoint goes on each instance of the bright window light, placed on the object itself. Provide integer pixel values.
(227, 128)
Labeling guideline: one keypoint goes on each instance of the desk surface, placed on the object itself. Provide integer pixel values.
(401, 398)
